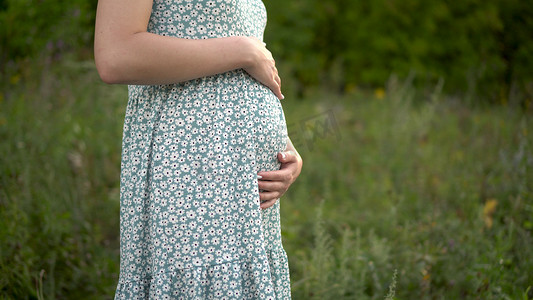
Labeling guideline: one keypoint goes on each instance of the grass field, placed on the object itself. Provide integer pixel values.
(402, 196)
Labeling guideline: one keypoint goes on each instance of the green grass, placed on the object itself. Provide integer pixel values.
(60, 132)
(394, 201)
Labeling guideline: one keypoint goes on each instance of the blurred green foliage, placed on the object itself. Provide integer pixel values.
(480, 48)
(34, 27)
(58, 183)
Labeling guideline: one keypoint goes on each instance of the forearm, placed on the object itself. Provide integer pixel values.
(146, 58)
(126, 53)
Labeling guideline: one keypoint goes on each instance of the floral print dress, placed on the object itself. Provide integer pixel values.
(190, 221)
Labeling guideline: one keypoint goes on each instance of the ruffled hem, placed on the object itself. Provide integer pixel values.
(255, 277)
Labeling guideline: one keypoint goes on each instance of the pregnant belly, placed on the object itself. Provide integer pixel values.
(268, 125)
(221, 122)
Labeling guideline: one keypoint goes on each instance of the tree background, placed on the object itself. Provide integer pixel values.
(478, 48)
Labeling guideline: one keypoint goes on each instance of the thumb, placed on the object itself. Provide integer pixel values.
(285, 156)
(282, 156)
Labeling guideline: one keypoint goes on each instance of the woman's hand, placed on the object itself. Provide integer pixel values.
(262, 66)
(275, 183)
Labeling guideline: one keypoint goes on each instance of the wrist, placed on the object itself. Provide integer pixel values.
(244, 49)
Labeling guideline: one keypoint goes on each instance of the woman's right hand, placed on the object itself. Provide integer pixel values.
(262, 66)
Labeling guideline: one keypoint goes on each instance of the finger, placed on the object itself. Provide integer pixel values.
(271, 186)
(278, 94)
(278, 80)
(287, 156)
(277, 175)
(267, 196)
(268, 204)
(274, 87)
(277, 89)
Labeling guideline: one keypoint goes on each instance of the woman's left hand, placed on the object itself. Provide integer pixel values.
(275, 183)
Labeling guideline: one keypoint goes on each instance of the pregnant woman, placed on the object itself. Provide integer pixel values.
(205, 153)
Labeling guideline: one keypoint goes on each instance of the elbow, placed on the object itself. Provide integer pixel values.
(108, 67)
(106, 74)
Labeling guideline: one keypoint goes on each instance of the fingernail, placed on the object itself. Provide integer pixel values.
(259, 177)
(283, 155)
(282, 97)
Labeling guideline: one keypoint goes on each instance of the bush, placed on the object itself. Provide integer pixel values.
(33, 27)
(59, 175)
(477, 47)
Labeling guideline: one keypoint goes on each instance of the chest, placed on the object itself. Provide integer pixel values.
(196, 19)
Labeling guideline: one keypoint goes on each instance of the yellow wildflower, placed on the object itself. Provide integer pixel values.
(488, 211)
(379, 93)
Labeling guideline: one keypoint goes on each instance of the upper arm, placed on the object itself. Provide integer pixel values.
(116, 21)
